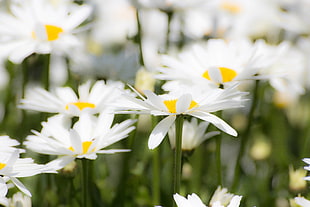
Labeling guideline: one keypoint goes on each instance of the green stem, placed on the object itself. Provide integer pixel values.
(218, 160)
(170, 15)
(246, 134)
(139, 38)
(156, 169)
(85, 182)
(178, 154)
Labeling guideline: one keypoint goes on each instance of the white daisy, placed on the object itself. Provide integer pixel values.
(193, 134)
(217, 62)
(87, 137)
(18, 199)
(191, 201)
(8, 144)
(13, 167)
(65, 101)
(193, 102)
(39, 26)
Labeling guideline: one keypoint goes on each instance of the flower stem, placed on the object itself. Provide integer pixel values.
(218, 160)
(156, 169)
(85, 182)
(178, 154)
(245, 136)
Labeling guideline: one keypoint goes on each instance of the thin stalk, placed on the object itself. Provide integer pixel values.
(219, 160)
(156, 169)
(139, 38)
(85, 182)
(170, 15)
(245, 136)
(178, 154)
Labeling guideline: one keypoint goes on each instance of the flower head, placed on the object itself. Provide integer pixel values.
(87, 137)
(191, 102)
(39, 26)
(191, 201)
(64, 100)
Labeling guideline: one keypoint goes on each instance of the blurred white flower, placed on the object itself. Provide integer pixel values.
(90, 99)
(191, 201)
(222, 198)
(39, 26)
(193, 102)
(193, 134)
(302, 201)
(20, 200)
(87, 137)
(216, 62)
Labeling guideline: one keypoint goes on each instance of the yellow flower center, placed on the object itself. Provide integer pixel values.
(85, 147)
(2, 165)
(81, 105)
(226, 73)
(171, 105)
(230, 7)
(52, 32)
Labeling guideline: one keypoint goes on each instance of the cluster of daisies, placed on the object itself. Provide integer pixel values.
(221, 56)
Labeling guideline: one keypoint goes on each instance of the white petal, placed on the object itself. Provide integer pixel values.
(160, 131)
(302, 201)
(183, 103)
(216, 121)
(235, 201)
(60, 162)
(20, 186)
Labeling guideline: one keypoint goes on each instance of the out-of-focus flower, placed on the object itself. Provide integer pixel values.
(191, 201)
(261, 148)
(144, 80)
(193, 134)
(296, 179)
(221, 198)
(216, 62)
(20, 200)
(87, 137)
(39, 26)
(190, 101)
(301, 201)
(90, 99)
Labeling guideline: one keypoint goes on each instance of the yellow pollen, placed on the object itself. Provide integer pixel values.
(227, 74)
(230, 7)
(2, 165)
(53, 32)
(81, 105)
(171, 105)
(85, 147)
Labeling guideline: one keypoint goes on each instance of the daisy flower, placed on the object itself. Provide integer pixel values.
(88, 137)
(13, 167)
(193, 102)
(307, 160)
(193, 134)
(64, 100)
(39, 26)
(217, 63)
